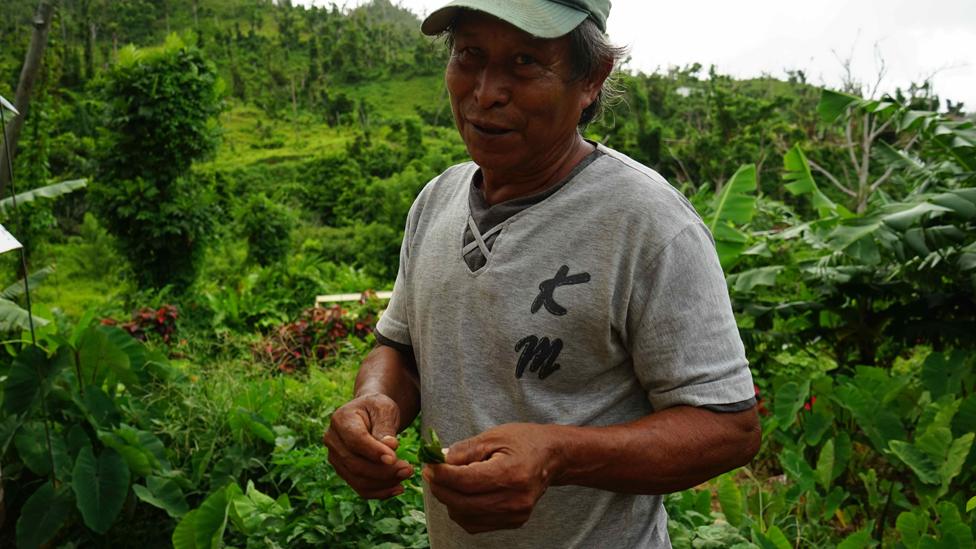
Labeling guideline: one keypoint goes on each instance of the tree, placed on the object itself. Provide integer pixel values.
(161, 118)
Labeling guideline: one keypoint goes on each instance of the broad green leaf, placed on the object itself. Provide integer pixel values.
(825, 465)
(17, 289)
(745, 281)
(955, 532)
(30, 373)
(911, 527)
(48, 191)
(797, 468)
(956, 458)
(800, 181)
(99, 357)
(788, 401)
(730, 243)
(971, 504)
(42, 516)
(100, 487)
(816, 425)
(934, 442)
(778, 538)
(942, 373)
(203, 528)
(101, 408)
(920, 463)
(735, 203)
(31, 443)
(834, 104)
(142, 451)
(163, 493)
(904, 219)
(730, 498)
(956, 203)
(857, 540)
(842, 453)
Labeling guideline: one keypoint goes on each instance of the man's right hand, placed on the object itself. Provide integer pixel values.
(362, 446)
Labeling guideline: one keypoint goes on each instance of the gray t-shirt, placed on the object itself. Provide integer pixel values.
(597, 305)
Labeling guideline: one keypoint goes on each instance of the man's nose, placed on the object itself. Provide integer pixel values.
(492, 89)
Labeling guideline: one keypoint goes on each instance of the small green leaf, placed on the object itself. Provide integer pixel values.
(911, 527)
(100, 487)
(431, 452)
(971, 504)
(778, 538)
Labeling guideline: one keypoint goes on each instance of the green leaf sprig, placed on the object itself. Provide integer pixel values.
(430, 451)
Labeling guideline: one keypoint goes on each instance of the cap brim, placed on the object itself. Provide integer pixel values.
(541, 19)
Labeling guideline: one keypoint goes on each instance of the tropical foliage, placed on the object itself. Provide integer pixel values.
(243, 157)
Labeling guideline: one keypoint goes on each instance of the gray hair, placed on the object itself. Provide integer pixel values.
(590, 51)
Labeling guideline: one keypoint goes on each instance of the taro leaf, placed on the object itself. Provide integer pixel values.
(31, 444)
(911, 527)
(788, 401)
(942, 373)
(98, 357)
(730, 498)
(817, 424)
(917, 460)
(825, 465)
(163, 493)
(101, 408)
(136, 352)
(42, 516)
(100, 487)
(956, 458)
(955, 532)
(965, 419)
(203, 528)
(776, 539)
(797, 468)
(142, 451)
(842, 453)
(24, 382)
(430, 451)
(857, 540)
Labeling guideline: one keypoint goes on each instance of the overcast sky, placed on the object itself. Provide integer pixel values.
(916, 40)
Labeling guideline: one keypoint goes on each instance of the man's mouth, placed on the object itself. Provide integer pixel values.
(489, 129)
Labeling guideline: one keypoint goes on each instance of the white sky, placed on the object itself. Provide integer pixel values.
(748, 38)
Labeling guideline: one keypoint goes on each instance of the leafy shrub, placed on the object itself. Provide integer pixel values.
(161, 108)
(317, 334)
(267, 227)
(159, 322)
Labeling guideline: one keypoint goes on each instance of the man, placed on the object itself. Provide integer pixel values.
(559, 312)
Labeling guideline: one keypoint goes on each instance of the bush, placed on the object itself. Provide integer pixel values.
(161, 108)
(266, 225)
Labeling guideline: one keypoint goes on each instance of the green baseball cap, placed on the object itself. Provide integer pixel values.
(542, 18)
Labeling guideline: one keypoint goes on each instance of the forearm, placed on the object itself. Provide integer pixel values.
(667, 451)
(389, 372)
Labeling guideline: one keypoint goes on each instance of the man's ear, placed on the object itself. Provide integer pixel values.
(595, 84)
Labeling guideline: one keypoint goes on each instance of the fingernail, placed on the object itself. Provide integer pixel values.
(403, 473)
(387, 459)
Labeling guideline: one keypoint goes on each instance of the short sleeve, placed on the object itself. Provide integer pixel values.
(685, 344)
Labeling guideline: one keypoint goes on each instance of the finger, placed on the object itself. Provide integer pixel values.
(466, 503)
(369, 487)
(357, 438)
(372, 470)
(479, 523)
(475, 478)
(468, 451)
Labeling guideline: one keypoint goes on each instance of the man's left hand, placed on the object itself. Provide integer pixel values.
(492, 481)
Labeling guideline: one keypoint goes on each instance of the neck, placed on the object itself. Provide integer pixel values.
(500, 185)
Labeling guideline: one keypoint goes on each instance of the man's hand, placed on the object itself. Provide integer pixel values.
(492, 481)
(362, 446)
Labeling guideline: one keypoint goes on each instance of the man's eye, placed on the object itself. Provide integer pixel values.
(524, 59)
(467, 53)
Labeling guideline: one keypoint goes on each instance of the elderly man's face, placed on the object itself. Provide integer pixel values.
(513, 97)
